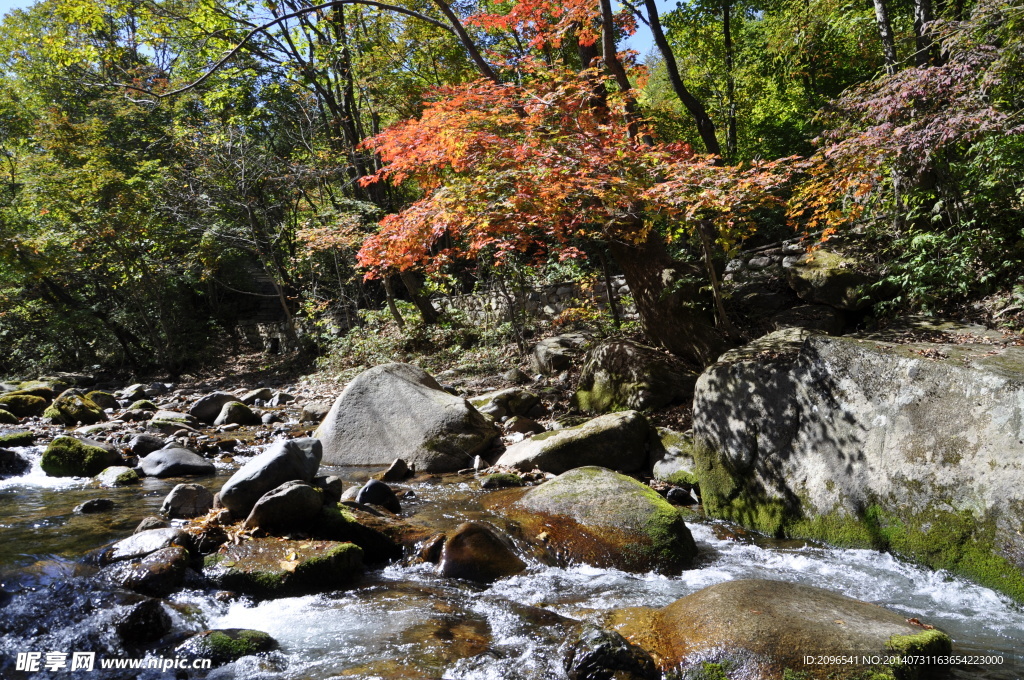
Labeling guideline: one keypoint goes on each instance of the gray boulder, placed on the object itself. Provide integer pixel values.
(554, 355)
(144, 444)
(399, 411)
(236, 413)
(914, 448)
(208, 408)
(513, 401)
(143, 543)
(186, 501)
(831, 279)
(175, 461)
(285, 460)
(292, 505)
(621, 374)
(118, 475)
(620, 441)
(261, 394)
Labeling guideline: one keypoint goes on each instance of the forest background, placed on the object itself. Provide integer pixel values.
(164, 161)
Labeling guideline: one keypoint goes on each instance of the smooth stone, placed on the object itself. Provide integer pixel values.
(378, 493)
(176, 462)
(476, 552)
(293, 505)
(186, 501)
(283, 461)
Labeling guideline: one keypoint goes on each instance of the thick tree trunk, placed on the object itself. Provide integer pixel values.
(414, 285)
(668, 300)
(926, 52)
(885, 33)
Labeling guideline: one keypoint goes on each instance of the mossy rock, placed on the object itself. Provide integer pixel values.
(23, 405)
(620, 375)
(269, 567)
(54, 416)
(831, 279)
(757, 628)
(38, 389)
(17, 438)
(381, 538)
(226, 645)
(599, 517)
(8, 418)
(76, 408)
(143, 405)
(501, 480)
(102, 399)
(71, 457)
(118, 475)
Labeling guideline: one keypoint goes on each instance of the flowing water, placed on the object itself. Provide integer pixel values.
(405, 621)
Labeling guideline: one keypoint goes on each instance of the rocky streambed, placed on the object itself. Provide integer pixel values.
(314, 561)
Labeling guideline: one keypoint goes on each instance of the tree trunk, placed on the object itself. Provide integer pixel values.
(885, 33)
(730, 81)
(668, 300)
(414, 286)
(925, 47)
(392, 307)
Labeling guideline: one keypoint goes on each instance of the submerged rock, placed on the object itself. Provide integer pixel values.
(71, 457)
(94, 505)
(617, 440)
(596, 516)
(762, 629)
(398, 410)
(144, 622)
(270, 567)
(604, 655)
(476, 552)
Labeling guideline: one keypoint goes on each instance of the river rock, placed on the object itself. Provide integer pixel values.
(71, 457)
(236, 413)
(94, 505)
(152, 523)
(263, 394)
(144, 405)
(381, 538)
(599, 517)
(226, 645)
(8, 418)
(604, 654)
(331, 486)
(117, 475)
(762, 629)
(616, 440)
(832, 279)
(133, 392)
(476, 552)
(186, 501)
(175, 461)
(513, 401)
(166, 416)
(554, 355)
(378, 493)
(915, 448)
(271, 567)
(672, 457)
(315, 411)
(158, 574)
(398, 471)
(142, 623)
(143, 543)
(398, 410)
(280, 399)
(102, 399)
(208, 408)
(285, 460)
(23, 405)
(522, 425)
(13, 464)
(17, 438)
(293, 505)
(621, 374)
(821, 318)
(143, 444)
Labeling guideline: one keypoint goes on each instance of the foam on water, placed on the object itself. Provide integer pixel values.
(35, 477)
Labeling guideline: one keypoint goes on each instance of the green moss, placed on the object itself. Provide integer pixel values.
(70, 457)
(235, 645)
(102, 399)
(143, 405)
(8, 418)
(682, 478)
(17, 438)
(53, 415)
(23, 405)
(77, 409)
(37, 388)
(501, 480)
(602, 397)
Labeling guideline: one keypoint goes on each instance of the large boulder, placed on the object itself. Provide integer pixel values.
(103, 399)
(476, 552)
(620, 441)
(828, 278)
(71, 457)
(621, 374)
(271, 567)
(23, 405)
(915, 448)
(293, 505)
(766, 629)
(556, 354)
(399, 411)
(285, 460)
(175, 461)
(599, 517)
(208, 407)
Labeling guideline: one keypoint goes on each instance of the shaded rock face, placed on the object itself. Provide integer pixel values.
(186, 501)
(599, 517)
(275, 568)
(12, 464)
(616, 440)
(293, 505)
(283, 461)
(912, 448)
(158, 574)
(71, 457)
(143, 623)
(145, 444)
(604, 654)
(476, 552)
(760, 629)
(399, 411)
(622, 375)
(672, 459)
(830, 279)
(378, 493)
(513, 401)
(175, 462)
(554, 355)
(381, 538)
